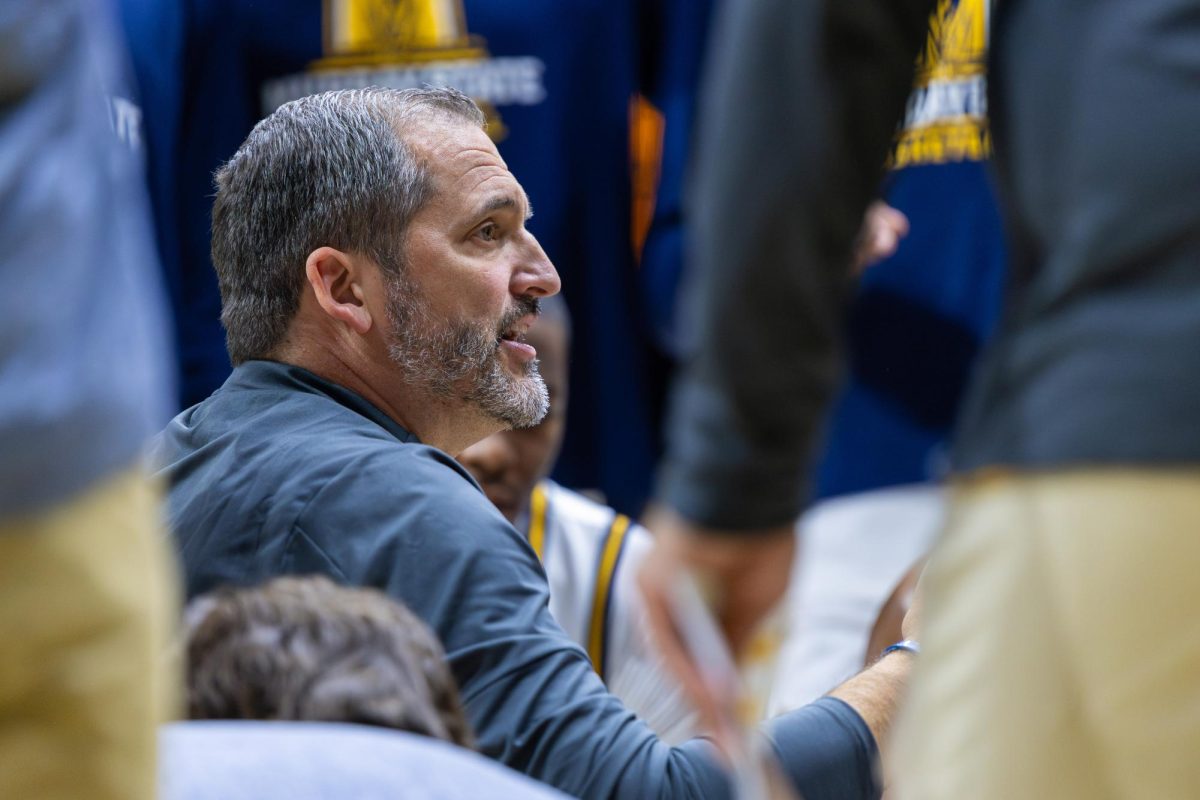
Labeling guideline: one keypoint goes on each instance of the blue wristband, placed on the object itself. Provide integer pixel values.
(908, 644)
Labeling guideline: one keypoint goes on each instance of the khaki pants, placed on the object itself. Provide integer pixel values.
(87, 595)
(1061, 642)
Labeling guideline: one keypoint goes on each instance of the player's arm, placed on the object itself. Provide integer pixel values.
(802, 103)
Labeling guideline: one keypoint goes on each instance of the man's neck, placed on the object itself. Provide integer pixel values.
(448, 424)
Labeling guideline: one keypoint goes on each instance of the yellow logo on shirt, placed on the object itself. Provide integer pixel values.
(408, 43)
(946, 116)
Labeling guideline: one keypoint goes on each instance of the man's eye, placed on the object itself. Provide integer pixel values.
(489, 232)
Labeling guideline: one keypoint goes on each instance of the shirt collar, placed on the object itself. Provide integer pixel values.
(275, 374)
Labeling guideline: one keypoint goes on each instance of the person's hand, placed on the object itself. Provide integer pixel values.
(882, 229)
(910, 628)
(896, 619)
(743, 576)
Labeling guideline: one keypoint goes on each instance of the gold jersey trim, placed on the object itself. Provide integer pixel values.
(610, 556)
(953, 140)
(537, 521)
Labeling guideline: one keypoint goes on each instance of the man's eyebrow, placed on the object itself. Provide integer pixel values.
(505, 201)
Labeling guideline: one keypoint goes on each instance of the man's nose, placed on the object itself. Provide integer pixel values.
(534, 274)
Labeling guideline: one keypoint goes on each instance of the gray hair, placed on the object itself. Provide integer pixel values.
(333, 170)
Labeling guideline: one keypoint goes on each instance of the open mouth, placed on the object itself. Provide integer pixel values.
(516, 323)
(513, 334)
(512, 337)
(517, 346)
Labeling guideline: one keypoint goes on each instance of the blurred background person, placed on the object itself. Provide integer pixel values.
(913, 331)
(212, 68)
(775, 211)
(307, 649)
(1075, 483)
(86, 586)
(590, 552)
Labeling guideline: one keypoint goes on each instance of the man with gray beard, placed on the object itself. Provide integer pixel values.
(377, 282)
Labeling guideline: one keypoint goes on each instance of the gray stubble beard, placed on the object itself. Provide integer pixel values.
(462, 361)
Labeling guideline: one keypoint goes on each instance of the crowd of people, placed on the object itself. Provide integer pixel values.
(344, 569)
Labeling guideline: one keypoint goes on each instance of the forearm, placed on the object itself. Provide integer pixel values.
(877, 692)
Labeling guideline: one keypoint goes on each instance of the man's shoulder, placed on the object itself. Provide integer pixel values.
(272, 425)
(352, 474)
(374, 500)
(398, 477)
(283, 480)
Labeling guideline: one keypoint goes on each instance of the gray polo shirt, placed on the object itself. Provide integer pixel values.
(281, 472)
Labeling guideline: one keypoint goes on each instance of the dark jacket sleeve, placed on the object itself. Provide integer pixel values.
(432, 540)
(802, 100)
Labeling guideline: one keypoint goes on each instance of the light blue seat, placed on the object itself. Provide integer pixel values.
(241, 760)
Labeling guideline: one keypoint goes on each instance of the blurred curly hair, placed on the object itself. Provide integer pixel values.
(308, 649)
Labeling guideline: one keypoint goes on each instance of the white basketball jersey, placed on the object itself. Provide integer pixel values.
(591, 555)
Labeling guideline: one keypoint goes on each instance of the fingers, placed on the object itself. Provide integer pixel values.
(910, 626)
(706, 594)
(653, 580)
(891, 218)
(883, 228)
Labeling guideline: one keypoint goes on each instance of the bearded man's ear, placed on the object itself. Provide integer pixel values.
(336, 279)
